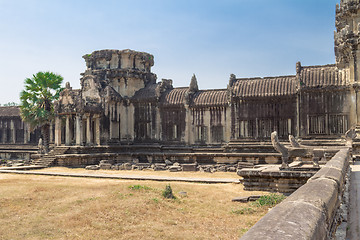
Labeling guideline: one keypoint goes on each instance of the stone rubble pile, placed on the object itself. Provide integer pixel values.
(14, 163)
(166, 166)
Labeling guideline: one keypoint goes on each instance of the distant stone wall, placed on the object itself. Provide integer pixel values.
(311, 211)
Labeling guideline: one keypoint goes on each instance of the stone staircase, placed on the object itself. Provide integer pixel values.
(49, 159)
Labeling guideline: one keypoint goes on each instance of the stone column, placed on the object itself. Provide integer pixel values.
(5, 127)
(57, 131)
(51, 135)
(25, 133)
(188, 132)
(97, 130)
(298, 126)
(13, 131)
(158, 124)
(227, 122)
(78, 130)
(88, 130)
(111, 128)
(4, 131)
(67, 131)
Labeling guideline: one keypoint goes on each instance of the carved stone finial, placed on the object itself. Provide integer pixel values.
(298, 68)
(350, 135)
(193, 84)
(67, 85)
(281, 149)
(293, 141)
(232, 79)
(163, 85)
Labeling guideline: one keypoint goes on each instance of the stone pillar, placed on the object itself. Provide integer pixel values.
(13, 131)
(188, 132)
(298, 119)
(5, 127)
(79, 130)
(51, 136)
(88, 130)
(227, 122)
(67, 131)
(25, 133)
(357, 106)
(111, 129)
(131, 122)
(97, 130)
(57, 131)
(207, 123)
(4, 131)
(158, 124)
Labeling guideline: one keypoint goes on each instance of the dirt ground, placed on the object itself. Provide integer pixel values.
(46, 207)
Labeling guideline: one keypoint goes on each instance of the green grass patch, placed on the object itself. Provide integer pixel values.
(139, 187)
(270, 200)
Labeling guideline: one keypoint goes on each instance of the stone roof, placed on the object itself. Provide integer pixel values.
(175, 96)
(147, 93)
(210, 97)
(321, 76)
(265, 87)
(112, 94)
(13, 111)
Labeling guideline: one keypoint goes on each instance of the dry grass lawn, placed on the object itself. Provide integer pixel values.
(45, 207)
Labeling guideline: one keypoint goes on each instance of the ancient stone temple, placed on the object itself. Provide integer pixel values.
(122, 103)
(13, 130)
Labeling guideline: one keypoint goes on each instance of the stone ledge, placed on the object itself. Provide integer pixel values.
(310, 211)
(289, 220)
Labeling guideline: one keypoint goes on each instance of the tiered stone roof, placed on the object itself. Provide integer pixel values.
(210, 97)
(321, 76)
(265, 87)
(175, 96)
(12, 111)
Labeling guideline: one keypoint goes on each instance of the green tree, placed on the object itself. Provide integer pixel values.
(9, 104)
(37, 101)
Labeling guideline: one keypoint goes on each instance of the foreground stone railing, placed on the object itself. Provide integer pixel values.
(311, 211)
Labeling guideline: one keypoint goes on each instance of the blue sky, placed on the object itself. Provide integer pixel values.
(212, 39)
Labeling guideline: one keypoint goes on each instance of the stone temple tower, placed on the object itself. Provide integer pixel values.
(126, 71)
(347, 39)
(347, 53)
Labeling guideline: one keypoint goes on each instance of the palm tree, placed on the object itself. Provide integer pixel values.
(37, 101)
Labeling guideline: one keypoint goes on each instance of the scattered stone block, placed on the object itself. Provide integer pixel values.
(189, 167)
(167, 162)
(105, 166)
(134, 167)
(241, 199)
(254, 197)
(92, 167)
(222, 169)
(159, 167)
(231, 169)
(127, 166)
(174, 168)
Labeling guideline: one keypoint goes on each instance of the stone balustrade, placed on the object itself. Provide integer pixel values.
(311, 211)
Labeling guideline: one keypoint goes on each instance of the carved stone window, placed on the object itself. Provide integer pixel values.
(217, 133)
(317, 124)
(338, 124)
(201, 134)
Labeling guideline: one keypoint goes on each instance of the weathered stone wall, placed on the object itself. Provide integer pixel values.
(325, 112)
(310, 212)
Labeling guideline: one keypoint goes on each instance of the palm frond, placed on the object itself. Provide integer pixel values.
(38, 97)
